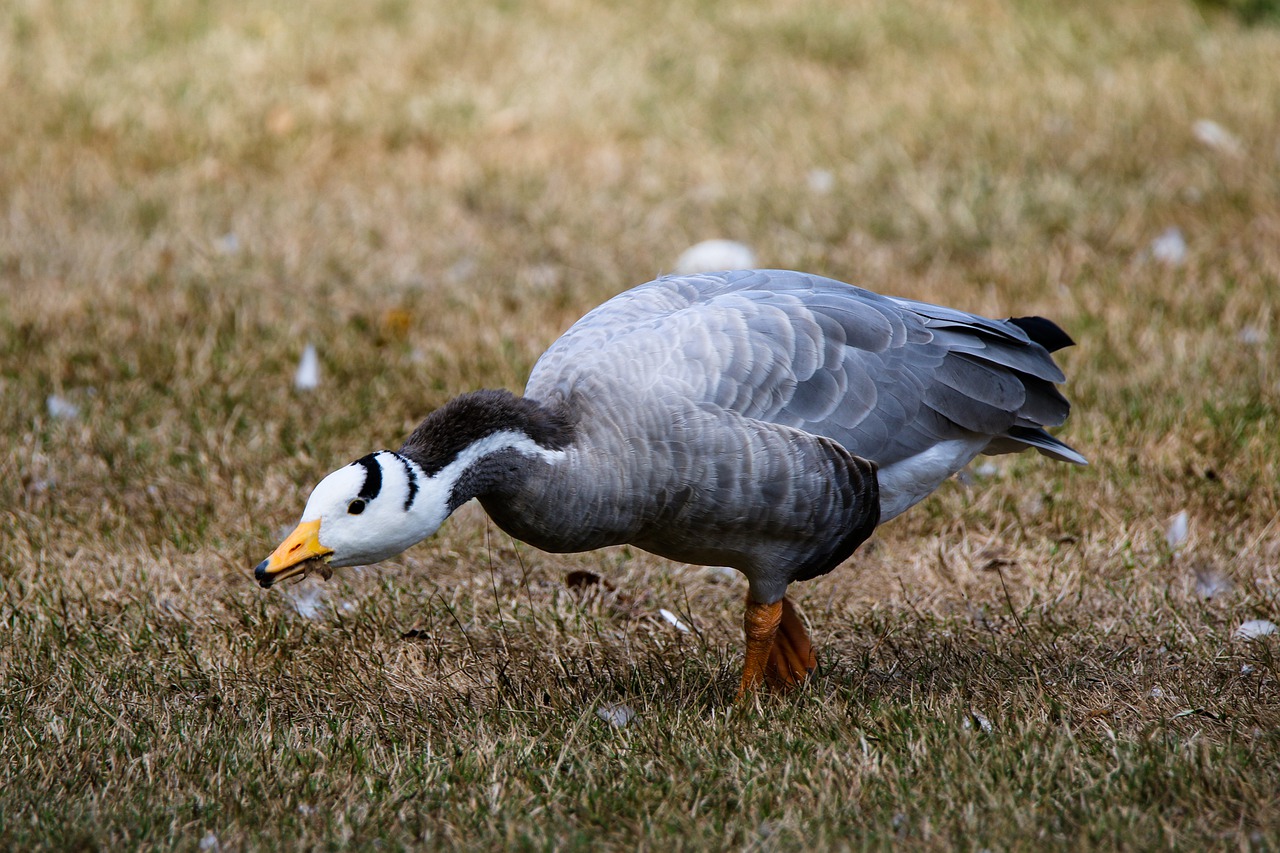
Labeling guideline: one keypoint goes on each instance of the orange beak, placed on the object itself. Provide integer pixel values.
(294, 556)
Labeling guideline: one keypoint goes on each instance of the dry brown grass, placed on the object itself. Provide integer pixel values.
(191, 192)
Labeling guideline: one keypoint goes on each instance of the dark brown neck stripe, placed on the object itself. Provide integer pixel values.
(464, 420)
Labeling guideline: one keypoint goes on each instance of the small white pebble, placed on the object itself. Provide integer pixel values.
(1215, 136)
(1170, 247)
(715, 255)
(307, 377)
(60, 408)
(1176, 533)
(1157, 693)
(673, 619)
(210, 842)
(1255, 629)
(615, 714)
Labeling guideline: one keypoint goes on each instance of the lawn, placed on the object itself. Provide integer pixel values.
(429, 193)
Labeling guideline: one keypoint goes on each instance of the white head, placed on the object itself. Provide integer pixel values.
(368, 511)
(383, 503)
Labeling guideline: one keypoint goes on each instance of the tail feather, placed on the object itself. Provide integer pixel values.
(1019, 438)
(1046, 333)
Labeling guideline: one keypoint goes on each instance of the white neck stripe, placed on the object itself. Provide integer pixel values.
(495, 443)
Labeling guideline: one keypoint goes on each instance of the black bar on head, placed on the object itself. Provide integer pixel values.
(372, 476)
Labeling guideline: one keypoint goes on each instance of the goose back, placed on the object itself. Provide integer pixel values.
(917, 389)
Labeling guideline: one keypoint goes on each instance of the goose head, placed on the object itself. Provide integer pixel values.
(385, 502)
(362, 513)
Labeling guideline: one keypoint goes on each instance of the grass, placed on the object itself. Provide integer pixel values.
(191, 193)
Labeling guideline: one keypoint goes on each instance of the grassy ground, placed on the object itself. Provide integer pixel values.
(430, 193)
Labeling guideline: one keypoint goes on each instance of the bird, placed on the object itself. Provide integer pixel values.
(764, 420)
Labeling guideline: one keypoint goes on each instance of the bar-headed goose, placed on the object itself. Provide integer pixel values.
(759, 419)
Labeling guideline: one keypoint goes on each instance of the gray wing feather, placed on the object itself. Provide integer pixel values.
(887, 378)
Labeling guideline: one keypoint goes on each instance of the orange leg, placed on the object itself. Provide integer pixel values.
(793, 657)
(778, 647)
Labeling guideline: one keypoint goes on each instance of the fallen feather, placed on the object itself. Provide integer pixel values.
(616, 714)
(1176, 533)
(978, 720)
(1170, 247)
(309, 602)
(1255, 629)
(1215, 136)
(986, 469)
(228, 244)
(821, 181)
(307, 378)
(1211, 583)
(1252, 336)
(715, 255)
(42, 485)
(60, 408)
(673, 619)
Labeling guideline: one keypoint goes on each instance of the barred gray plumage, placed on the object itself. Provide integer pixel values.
(761, 419)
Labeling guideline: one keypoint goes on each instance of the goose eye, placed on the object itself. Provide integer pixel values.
(355, 507)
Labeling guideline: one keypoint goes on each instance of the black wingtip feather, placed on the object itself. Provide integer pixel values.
(1046, 333)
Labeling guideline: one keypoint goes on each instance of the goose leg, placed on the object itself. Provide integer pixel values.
(778, 648)
(792, 658)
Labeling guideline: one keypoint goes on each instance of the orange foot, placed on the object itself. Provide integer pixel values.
(778, 647)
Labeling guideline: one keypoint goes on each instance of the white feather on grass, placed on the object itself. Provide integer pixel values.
(309, 601)
(1176, 533)
(60, 408)
(616, 714)
(1255, 629)
(307, 377)
(673, 619)
(1170, 248)
(1217, 137)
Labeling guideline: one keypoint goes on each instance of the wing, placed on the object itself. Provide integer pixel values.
(887, 378)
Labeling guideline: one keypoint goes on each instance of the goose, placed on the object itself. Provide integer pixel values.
(765, 420)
